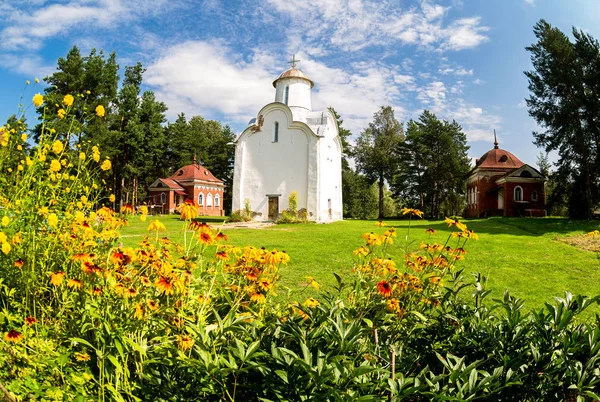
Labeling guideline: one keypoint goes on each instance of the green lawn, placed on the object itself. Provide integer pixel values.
(522, 255)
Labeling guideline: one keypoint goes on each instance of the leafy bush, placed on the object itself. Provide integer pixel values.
(292, 215)
(85, 319)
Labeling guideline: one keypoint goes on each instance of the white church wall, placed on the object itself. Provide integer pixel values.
(269, 167)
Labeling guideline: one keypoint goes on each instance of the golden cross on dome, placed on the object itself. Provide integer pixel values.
(293, 61)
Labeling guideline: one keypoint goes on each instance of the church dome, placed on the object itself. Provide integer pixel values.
(498, 159)
(293, 73)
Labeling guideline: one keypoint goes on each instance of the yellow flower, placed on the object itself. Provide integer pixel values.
(56, 278)
(81, 357)
(311, 303)
(43, 210)
(95, 154)
(100, 111)
(111, 198)
(27, 82)
(61, 113)
(3, 237)
(68, 100)
(55, 166)
(52, 220)
(79, 216)
(185, 342)
(23, 137)
(57, 147)
(312, 282)
(88, 92)
(106, 165)
(5, 221)
(37, 81)
(38, 99)
(3, 136)
(144, 210)
(188, 210)
(6, 248)
(412, 211)
(28, 161)
(156, 225)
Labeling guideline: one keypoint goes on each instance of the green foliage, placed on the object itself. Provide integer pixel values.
(565, 89)
(359, 200)
(377, 150)
(291, 214)
(436, 166)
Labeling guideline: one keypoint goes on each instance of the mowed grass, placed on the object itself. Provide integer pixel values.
(523, 255)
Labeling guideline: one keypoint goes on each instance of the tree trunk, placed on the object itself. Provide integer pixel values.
(381, 183)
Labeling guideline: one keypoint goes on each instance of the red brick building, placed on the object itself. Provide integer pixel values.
(501, 185)
(193, 182)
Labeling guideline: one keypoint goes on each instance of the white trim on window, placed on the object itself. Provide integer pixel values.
(518, 195)
(209, 200)
(201, 199)
(163, 198)
(217, 200)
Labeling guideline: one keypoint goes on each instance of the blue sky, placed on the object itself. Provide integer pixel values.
(462, 59)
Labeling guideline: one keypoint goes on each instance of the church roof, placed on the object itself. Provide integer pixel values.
(498, 159)
(194, 172)
(293, 73)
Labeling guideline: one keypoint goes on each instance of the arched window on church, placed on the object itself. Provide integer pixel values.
(209, 200)
(534, 196)
(518, 193)
(201, 199)
(287, 95)
(217, 200)
(163, 198)
(276, 132)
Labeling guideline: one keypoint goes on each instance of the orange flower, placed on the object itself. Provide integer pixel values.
(222, 255)
(384, 288)
(13, 336)
(130, 292)
(19, 263)
(184, 342)
(430, 231)
(380, 223)
(165, 284)
(156, 226)
(205, 238)
(145, 281)
(30, 320)
(120, 258)
(197, 225)
(97, 291)
(222, 236)
(455, 222)
(56, 278)
(74, 283)
(311, 303)
(127, 209)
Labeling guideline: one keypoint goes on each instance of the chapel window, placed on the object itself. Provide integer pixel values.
(209, 200)
(276, 132)
(287, 95)
(534, 196)
(163, 198)
(217, 201)
(518, 193)
(201, 199)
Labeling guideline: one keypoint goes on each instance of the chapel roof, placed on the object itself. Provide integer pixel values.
(172, 184)
(497, 158)
(194, 172)
(293, 73)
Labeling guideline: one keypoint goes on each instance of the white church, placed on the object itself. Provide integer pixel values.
(289, 147)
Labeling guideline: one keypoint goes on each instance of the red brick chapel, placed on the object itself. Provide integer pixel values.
(501, 185)
(191, 182)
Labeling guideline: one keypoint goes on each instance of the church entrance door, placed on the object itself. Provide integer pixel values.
(273, 208)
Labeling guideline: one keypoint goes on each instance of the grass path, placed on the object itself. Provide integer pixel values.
(520, 254)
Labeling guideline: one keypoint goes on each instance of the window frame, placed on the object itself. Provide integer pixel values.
(276, 132)
(521, 195)
(201, 199)
(163, 198)
(534, 195)
(209, 200)
(217, 200)
(286, 95)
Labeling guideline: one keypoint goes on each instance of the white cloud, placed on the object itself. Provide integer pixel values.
(29, 29)
(530, 2)
(208, 79)
(456, 71)
(352, 25)
(29, 65)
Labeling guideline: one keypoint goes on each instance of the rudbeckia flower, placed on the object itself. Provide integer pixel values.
(13, 336)
(384, 288)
